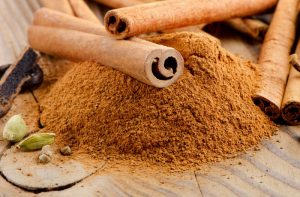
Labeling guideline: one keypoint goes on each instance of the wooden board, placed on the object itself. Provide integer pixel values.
(22, 169)
(122, 183)
(272, 171)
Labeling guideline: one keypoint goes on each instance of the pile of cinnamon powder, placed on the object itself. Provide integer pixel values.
(206, 116)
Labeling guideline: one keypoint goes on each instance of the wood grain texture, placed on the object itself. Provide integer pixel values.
(272, 171)
(120, 183)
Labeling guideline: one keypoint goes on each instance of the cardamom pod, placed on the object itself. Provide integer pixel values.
(15, 129)
(36, 141)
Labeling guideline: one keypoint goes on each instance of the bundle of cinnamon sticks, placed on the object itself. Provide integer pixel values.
(77, 34)
(275, 95)
(85, 39)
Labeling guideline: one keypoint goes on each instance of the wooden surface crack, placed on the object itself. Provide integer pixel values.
(198, 183)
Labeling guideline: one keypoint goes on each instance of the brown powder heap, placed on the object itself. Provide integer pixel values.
(205, 116)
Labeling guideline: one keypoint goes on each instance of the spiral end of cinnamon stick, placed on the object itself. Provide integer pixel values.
(166, 70)
(115, 25)
(267, 106)
(291, 113)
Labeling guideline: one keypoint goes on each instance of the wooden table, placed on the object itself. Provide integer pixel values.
(274, 170)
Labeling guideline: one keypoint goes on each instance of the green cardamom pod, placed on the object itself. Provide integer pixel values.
(36, 141)
(15, 129)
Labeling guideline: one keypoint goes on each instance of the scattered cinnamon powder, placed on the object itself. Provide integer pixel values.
(206, 116)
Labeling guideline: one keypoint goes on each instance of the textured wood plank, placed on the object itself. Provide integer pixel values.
(14, 27)
(224, 178)
(261, 179)
(120, 183)
(276, 167)
(6, 53)
(212, 188)
(274, 170)
(8, 190)
(13, 37)
(285, 146)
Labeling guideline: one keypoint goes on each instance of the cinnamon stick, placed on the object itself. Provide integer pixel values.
(59, 5)
(118, 3)
(291, 101)
(252, 27)
(52, 18)
(82, 10)
(146, 63)
(194, 28)
(170, 14)
(274, 57)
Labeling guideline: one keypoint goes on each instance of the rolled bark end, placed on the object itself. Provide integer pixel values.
(267, 106)
(116, 26)
(166, 70)
(291, 113)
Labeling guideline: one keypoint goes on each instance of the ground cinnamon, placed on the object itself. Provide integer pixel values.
(206, 116)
